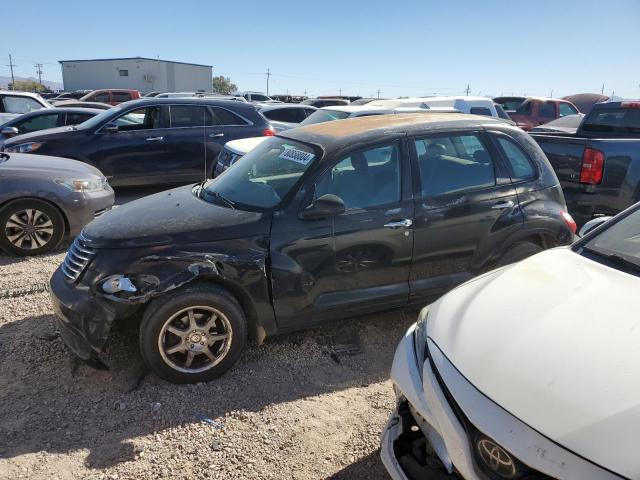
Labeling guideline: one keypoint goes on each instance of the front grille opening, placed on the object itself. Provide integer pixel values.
(77, 259)
(414, 453)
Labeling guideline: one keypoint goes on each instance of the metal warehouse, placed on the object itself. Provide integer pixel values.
(138, 73)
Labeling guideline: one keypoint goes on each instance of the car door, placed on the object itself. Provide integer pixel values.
(355, 262)
(465, 206)
(135, 154)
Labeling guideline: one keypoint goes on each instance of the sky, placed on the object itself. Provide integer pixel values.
(348, 47)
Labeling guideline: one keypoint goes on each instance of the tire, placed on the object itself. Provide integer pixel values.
(174, 327)
(30, 227)
(519, 251)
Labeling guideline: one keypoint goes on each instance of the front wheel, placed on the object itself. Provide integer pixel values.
(193, 335)
(30, 227)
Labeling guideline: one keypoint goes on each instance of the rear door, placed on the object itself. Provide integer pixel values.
(355, 262)
(466, 205)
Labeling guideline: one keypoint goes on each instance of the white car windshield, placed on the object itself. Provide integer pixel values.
(620, 243)
(263, 177)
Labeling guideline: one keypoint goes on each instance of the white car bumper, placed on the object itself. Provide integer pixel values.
(422, 401)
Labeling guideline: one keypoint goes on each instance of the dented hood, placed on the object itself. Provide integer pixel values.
(555, 341)
(175, 216)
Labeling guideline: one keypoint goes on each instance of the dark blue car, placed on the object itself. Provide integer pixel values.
(151, 141)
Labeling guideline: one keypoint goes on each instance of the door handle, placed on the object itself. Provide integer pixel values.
(154, 139)
(406, 223)
(503, 205)
(216, 135)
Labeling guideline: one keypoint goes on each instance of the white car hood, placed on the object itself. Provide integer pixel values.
(555, 341)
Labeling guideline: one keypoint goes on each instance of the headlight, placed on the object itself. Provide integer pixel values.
(24, 147)
(420, 338)
(93, 185)
(118, 283)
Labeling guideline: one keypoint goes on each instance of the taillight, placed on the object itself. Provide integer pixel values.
(569, 221)
(269, 132)
(592, 166)
(630, 105)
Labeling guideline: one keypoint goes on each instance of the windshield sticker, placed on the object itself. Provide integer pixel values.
(295, 155)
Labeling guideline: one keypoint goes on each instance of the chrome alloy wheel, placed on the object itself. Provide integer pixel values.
(29, 229)
(195, 339)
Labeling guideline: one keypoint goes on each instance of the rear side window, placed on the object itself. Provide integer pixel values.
(546, 110)
(480, 111)
(524, 108)
(120, 97)
(453, 164)
(612, 119)
(184, 116)
(521, 166)
(222, 116)
(566, 109)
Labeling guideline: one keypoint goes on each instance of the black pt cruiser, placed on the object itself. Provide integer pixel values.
(318, 223)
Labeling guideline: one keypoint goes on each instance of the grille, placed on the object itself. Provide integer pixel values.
(77, 259)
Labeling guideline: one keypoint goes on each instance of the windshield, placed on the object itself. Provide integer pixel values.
(620, 243)
(262, 177)
(320, 116)
(101, 117)
(613, 118)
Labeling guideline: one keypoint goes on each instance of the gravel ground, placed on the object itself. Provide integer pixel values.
(309, 405)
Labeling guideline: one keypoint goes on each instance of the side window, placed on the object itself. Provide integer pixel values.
(222, 116)
(566, 109)
(140, 119)
(480, 111)
(38, 123)
(183, 116)
(120, 97)
(308, 111)
(20, 104)
(547, 110)
(454, 163)
(100, 97)
(520, 165)
(77, 118)
(365, 179)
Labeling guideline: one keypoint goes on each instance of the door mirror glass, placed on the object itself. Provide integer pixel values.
(592, 224)
(111, 128)
(10, 132)
(327, 205)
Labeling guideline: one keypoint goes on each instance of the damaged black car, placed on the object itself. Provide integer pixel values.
(318, 223)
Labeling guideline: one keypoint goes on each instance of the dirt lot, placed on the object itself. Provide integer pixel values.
(304, 406)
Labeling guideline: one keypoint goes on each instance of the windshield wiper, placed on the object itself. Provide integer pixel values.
(614, 259)
(224, 199)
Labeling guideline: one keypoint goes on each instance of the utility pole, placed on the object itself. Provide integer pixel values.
(11, 65)
(378, 93)
(602, 89)
(340, 92)
(551, 94)
(39, 72)
(467, 90)
(268, 75)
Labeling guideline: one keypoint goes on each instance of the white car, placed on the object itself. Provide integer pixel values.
(13, 104)
(340, 112)
(473, 105)
(531, 371)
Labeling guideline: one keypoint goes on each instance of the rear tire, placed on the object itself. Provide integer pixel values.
(519, 251)
(193, 334)
(30, 227)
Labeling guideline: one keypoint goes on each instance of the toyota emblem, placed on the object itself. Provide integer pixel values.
(496, 458)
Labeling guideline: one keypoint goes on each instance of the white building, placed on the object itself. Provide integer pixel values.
(143, 74)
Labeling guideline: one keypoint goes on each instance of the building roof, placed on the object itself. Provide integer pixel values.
(134, 58)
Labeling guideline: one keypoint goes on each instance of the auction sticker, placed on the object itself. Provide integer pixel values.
(295, 155)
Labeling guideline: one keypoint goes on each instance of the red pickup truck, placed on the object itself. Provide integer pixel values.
(112, 96)
(536, 111)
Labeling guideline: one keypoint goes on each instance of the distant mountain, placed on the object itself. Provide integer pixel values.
(4, 81)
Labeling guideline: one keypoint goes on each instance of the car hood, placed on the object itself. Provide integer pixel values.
(175, 216)
(39, 135)
(555, 341)
(46, 166)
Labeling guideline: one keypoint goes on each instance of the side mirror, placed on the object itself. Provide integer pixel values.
(325, 206)
(592, 224)
(111, 128)
(10, 132)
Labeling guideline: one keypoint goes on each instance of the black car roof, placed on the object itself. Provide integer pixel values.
(186, 100)
(361, 130)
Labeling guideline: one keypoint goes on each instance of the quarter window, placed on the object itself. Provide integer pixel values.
(521, 167)
(454, 163)
(365, 179)
(222, 116)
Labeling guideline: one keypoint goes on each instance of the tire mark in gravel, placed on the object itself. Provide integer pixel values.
(23, 292)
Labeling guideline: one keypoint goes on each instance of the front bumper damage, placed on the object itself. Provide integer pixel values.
(84, 320)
